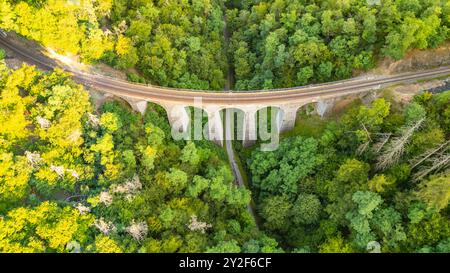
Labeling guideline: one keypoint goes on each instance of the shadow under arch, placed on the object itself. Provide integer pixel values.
(269, 121)
(158, 116)
(233, 120)
(107, 98)
(198, 122)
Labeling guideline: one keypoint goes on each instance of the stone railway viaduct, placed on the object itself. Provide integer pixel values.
(246, 103)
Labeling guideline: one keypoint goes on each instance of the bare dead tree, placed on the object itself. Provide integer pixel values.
(104, 226)
(138, 230)
(437, 163)
(363, 147)
(396, 147)
(429, 153)
(33, 158)
(196, 225)
(380, 144)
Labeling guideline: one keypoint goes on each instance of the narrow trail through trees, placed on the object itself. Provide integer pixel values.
(228, 121)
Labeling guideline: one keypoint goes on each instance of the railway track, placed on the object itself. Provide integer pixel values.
(275, 96)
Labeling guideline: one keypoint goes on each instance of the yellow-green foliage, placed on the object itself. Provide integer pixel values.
(43, 228)
(435, 192)
(61, 25)
(104, 244)
(14, 176)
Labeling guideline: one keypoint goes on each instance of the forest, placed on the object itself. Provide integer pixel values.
(273, 43)
(80, 177)
(293, 43)
(375, 179)
(168, 43)
(73, 179)
(76, 180)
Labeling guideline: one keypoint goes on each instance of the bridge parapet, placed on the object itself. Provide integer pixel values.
(283, 119)
(252, 117)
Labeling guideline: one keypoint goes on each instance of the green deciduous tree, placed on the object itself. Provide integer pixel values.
(435, 192)
(275, 210)
(280, 171)
(306, 209)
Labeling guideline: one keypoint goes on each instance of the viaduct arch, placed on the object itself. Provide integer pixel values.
(179, 117)
(175, 101)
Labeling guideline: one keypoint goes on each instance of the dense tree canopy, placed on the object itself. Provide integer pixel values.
(291, 43)
(74, 180)
(272, 43)
(172, 43)
(375, 180)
